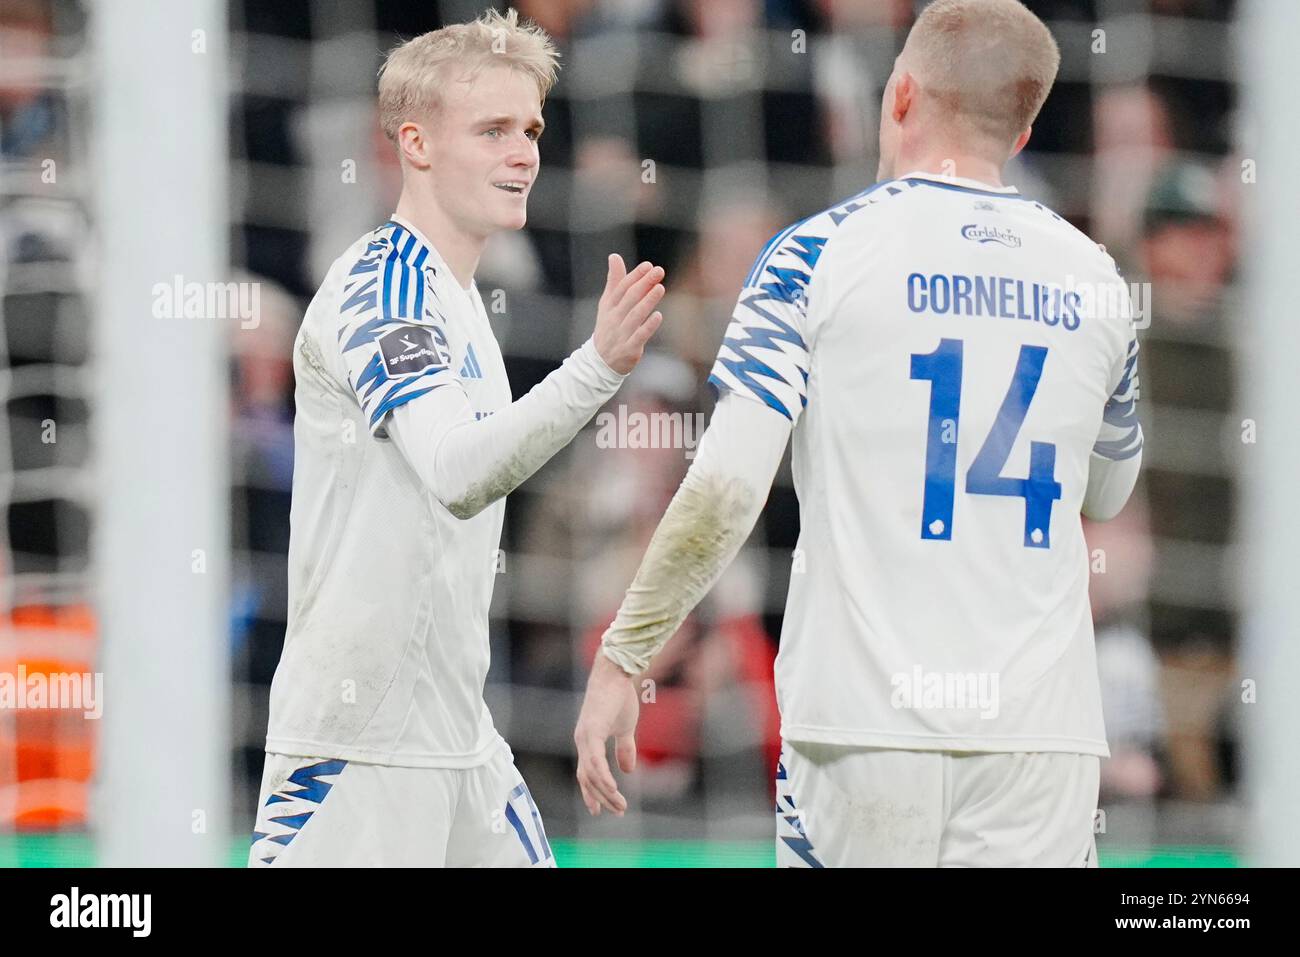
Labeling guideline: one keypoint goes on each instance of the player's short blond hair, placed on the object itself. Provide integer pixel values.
(989, 63)
(415, 72)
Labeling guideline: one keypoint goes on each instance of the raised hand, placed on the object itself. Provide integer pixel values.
(625, 317)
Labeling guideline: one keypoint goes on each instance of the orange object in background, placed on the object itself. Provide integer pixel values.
(47, 755)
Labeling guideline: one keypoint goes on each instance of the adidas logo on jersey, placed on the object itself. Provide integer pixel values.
(470, 369)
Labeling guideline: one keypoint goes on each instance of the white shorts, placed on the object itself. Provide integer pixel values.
(319, 812)
(842, 806)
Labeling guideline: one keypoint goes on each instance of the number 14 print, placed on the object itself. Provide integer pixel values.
(942, 369)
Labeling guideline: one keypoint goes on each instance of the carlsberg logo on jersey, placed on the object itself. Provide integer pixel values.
(922, 690)
(991, 234)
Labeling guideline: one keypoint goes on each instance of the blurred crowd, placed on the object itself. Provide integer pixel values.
(688, 132)
(46, 622)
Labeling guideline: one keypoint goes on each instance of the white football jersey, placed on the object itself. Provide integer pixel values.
(947, 352)
(386, 650)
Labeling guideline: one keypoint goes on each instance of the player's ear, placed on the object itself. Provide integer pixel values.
(1021, 140)
(904, 94)
(413, 144)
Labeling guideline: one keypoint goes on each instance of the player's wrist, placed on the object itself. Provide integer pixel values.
(592, 357)
(616, 663)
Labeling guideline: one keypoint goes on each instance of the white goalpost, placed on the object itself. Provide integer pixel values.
(1271, 659)
(159, 419)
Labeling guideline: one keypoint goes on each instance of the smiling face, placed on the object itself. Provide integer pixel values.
(483, 150)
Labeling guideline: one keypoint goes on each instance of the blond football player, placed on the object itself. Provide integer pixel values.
(380, 749)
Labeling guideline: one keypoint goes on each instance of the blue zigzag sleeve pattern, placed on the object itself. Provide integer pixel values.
(1121, 433)
(765, 354)
(391, 334)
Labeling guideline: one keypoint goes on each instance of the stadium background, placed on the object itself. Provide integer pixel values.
(687, 132)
